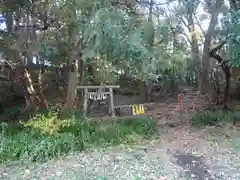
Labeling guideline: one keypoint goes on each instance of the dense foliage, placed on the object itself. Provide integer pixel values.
(233, 28)
(46, 137)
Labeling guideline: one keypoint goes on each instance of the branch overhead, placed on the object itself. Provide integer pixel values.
(156, 4)
(217, 47)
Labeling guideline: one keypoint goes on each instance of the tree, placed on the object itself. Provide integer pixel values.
(23, 20)
(102, 34)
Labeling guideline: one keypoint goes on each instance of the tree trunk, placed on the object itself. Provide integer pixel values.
(72, 80)
(81, 81)
(9, 22)
(40, 76)
(195, 50)
(32, 100)
(227, 87)
(206, 86)
(225, 67)
(150, 20)
(145, 92)
(198, 79)
(75, 44)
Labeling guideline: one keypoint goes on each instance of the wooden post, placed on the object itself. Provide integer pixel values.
(86, 94)
(180, 102)
(112, 102)
(85, 100)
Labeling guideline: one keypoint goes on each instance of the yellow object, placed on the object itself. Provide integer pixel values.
(199, 35)
(138, 109)
(142, 111)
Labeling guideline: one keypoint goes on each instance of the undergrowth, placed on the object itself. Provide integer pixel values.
(45, 136)
(210, 118)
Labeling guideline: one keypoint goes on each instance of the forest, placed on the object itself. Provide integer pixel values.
(96, 89)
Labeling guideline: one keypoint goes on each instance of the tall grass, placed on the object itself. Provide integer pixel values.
(45, 136)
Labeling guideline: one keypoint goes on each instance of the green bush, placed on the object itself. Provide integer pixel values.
(46, 137)
(215, 117)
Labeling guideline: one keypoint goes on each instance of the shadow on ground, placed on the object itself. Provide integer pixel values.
(193, 166)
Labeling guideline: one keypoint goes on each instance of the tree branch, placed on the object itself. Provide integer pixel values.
(198, 23)
(184, 23)
(38, 27)
(216, 47)
(180, 18)
(156, 4)
(188, 39)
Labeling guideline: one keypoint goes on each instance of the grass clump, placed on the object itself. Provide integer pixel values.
(45, 136)
(211, 118)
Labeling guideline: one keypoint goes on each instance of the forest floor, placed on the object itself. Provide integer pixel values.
(180, 153)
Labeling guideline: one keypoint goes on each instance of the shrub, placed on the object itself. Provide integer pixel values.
(45, 136)
(215, 117)
(5, 95)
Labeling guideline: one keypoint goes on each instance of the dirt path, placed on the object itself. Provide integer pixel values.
(180, 153)
(199, 158)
